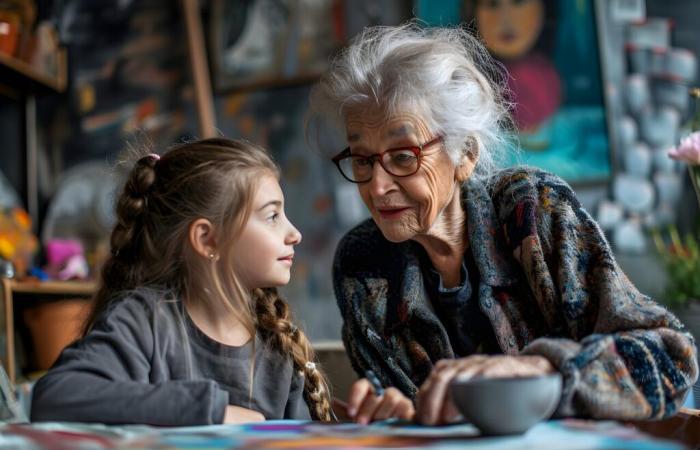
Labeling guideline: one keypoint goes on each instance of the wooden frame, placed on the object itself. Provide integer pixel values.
(200, 71)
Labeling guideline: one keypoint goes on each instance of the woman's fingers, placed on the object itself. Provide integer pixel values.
(391, 400)
(449, 412)
(433, 403)
(515, 366)
(368, 408)
(405, 410)
(362, 402)
(443, 364)
(538, 364)
(470, 369)
(358, 392)
(432, 394)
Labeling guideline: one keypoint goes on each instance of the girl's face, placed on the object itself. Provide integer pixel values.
(263, 253)
(509, 28)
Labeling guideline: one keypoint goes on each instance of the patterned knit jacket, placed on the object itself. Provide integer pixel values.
(549, 286)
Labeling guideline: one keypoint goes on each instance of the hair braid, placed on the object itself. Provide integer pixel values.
(131, 206)
(124, 269)
(275, 324)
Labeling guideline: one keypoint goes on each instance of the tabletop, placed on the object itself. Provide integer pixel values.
(572, 434)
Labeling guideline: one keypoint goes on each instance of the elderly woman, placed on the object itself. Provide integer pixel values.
(465, 270)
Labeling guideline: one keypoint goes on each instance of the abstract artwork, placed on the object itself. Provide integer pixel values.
(550, 50)
(256, 43)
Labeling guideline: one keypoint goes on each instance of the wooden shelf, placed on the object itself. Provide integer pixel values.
(77, 288)
(9, 287)
(24, 77)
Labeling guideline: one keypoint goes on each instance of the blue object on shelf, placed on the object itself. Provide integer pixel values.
(38, 273)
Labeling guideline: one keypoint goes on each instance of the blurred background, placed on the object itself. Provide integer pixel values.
(602, 90)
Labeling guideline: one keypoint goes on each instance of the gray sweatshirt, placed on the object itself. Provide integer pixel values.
(146, 362)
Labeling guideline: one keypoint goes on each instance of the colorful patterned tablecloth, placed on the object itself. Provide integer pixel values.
(562, 434)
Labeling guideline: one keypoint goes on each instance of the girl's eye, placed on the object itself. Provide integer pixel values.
(273, 217)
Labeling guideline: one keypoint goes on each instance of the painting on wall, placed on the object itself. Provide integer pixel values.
(262, 43)
(550, 50)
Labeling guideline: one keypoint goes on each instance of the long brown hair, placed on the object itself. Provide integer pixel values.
(214, 179)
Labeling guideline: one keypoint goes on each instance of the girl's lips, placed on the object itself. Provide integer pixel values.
(286, 259)
(391, 213)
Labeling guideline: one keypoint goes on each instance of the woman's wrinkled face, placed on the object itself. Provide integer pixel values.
(509, 28)
(402, 207)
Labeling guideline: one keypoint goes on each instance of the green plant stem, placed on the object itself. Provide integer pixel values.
(694, 172)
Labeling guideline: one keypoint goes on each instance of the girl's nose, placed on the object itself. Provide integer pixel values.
(293, 236)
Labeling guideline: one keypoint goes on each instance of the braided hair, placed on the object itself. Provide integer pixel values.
(124, 270)
(275, 322)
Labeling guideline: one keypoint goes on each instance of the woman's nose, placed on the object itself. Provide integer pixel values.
(381, 181)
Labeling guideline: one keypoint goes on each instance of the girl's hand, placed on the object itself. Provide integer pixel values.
(365, 407)
(433, 403)
(237, 414)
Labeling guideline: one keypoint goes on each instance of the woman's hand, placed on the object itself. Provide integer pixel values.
(433, 403)
(237, 414)
(365, 407)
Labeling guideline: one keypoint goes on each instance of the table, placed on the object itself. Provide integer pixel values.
(683, 427)
(570, 434)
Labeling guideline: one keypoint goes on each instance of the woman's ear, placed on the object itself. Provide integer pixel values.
(468, 160)
(202, 238)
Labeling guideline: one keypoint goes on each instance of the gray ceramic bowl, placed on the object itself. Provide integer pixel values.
(499, 406)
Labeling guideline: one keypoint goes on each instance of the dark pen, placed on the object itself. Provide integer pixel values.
(374, 381)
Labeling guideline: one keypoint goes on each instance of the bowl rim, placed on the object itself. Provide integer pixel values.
(483, 380)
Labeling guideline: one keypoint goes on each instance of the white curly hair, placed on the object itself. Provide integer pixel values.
(444, 74)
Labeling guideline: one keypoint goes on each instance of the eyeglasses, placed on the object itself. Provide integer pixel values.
(399, 162)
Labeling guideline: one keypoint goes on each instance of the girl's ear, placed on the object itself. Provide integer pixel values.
(202, 238)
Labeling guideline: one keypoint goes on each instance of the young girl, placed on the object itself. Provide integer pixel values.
(187, 326)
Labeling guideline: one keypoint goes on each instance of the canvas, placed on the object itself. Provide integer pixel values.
(261, 43)
(569, 434)
(550, 50)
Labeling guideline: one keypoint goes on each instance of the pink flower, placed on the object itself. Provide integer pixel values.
(689, 149)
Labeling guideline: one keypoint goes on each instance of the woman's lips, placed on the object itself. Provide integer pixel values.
(391, 213)
(508, 37)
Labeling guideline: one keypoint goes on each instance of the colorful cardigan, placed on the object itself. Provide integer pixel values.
(549, 285)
